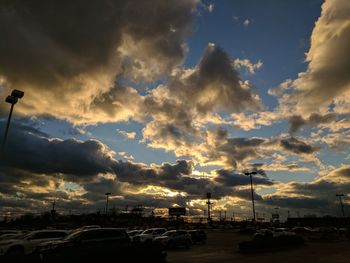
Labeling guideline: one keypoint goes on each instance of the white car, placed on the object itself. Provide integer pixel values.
(282, 232)
(85, 228)
(174, 238)
(27, 243)
(149, 234)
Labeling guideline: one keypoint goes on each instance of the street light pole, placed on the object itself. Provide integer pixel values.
(8, 122)
(12, 99)
(107, 197)
(252, 191)
(209, 206)
(341, 203)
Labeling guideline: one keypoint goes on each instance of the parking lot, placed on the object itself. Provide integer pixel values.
(222, 246)
(158, 244)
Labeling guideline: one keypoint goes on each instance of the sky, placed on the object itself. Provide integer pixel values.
(160, 102)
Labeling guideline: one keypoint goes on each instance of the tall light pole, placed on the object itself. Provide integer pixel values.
(12, 99)
(209, 206)
(341, 203)
(252, 191)
(107, 197)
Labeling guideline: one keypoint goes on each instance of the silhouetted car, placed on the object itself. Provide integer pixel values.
(198, 236)
(174, 238)
(149, 234)
(10, 236)
(302, 230)
(85, 228)
(9, 231)
(267, 240)
(85, 243)
(134, 233)
(27, 243)
(95, 244)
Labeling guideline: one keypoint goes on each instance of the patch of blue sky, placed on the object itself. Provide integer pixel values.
(107, 133)
(264, 38)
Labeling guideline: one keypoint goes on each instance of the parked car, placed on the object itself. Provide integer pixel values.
(9, 231)
(27, 243)
(134, 233)
(282, 231)
(85, 228)
(95, 244)
(174, 238)
(10, 236)
(267, 240)
(149, 234)
(302, 230)
(198, 236)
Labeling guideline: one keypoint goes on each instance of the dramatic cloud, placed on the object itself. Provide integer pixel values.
(40, 169)
(213, 85)
(318, 196)
(247, 64)
(30, 150)
(66, 55)
(230, 178)
(296, 122)
(297, 146)
(326, 79)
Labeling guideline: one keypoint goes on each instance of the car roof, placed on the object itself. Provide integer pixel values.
(103, 228)
(49, 230)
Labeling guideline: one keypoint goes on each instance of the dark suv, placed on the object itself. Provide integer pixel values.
(94, 244)
(85, 244)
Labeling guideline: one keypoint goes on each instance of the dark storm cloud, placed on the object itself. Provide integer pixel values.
(35, 169)
(70, 52)
(213, 85)
(296, 122)
(215, 71)
(230, 178)
(297, 146)
(237, 150)
(26, 149)
(48, 40)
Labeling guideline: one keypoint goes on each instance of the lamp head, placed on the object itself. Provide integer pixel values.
(17, 93)
(11, 99)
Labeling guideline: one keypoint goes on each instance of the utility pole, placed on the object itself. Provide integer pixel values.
(252, 191)
(341, 203)
(53, 211)
(107, 199)
(209, 206)
(12, 99)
